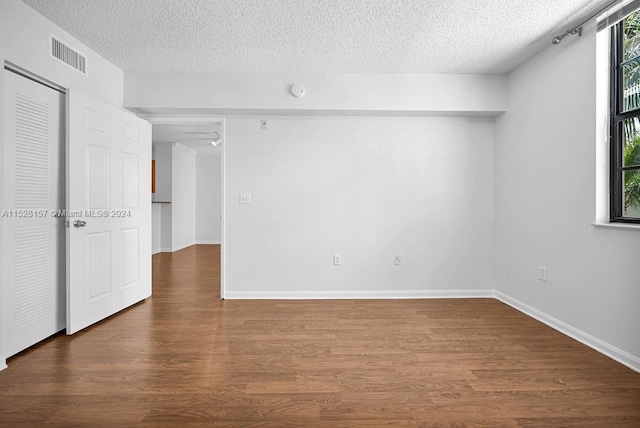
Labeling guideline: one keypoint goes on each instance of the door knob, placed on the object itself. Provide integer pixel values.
(79, 223)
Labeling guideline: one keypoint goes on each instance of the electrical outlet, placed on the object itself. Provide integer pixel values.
(337, 260)
(543, 273)
(397, 259)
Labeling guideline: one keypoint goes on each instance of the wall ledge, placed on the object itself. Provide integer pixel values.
(621, 226)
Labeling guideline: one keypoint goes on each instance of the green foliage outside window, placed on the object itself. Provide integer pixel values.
(632, 178)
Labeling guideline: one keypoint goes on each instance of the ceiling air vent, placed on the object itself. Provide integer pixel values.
(71, 57)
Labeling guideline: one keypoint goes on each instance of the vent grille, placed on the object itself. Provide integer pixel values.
(67, 55)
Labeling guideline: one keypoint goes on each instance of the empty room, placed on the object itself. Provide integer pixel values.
(320, 214)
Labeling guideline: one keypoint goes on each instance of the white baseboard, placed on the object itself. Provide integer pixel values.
(364, 294)
(207, 242)
(610, 351)
(156, 251)
(604, 348)
(176, 248)
(183, 246)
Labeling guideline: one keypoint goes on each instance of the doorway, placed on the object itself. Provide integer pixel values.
(188, 203)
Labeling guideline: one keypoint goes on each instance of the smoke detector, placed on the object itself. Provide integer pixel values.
(297, 90)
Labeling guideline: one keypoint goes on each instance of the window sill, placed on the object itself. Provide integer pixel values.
(628, 226)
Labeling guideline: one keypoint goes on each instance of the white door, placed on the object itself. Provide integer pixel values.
(108, 210)
(33, 186)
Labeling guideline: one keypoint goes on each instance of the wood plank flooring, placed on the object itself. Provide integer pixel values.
(184, 358)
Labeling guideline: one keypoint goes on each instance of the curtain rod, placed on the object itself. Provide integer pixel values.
(578, 28)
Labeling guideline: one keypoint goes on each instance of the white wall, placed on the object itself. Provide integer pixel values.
(447, 250)
(365, 188)
(166, 227)
(161, 213)
(176, 189)
(546, 201)
(24, 38)
(208, 198)
(164, 172)
(156, 228)
(183, 197)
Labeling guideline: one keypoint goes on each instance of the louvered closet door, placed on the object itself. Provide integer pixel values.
(33, 292)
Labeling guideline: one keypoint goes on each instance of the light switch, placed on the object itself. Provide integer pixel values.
(245, 198)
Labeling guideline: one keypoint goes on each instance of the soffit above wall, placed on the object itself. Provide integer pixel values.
(326, 94)
(329, 36)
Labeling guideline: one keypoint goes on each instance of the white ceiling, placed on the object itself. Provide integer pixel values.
(195, 136)
(318, 36)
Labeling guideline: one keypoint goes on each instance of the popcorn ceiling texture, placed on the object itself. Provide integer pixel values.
(317, 36)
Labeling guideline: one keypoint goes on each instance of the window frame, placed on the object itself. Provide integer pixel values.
(617, 116)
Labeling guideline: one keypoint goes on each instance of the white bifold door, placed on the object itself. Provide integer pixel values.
(33, 299)
(108, 210)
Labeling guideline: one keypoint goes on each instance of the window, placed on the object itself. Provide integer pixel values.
(625, 120)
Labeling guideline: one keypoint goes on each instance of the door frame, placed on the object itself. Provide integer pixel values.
(204, 119)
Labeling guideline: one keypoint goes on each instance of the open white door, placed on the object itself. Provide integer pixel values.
(108, 210)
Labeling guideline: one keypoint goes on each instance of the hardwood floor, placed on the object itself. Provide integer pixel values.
(185, 358)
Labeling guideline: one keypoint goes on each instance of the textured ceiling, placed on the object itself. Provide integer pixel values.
(195, 136)
(317, 36)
